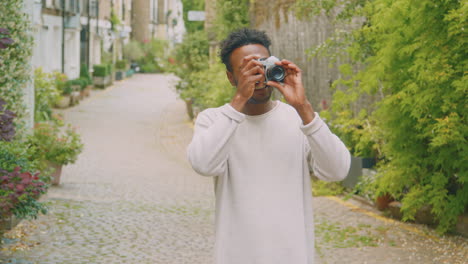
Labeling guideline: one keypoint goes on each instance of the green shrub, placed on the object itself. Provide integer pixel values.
(61, 83)
(80, 81)
(409, 55)
(101, 70)
(51, 144)
(121, 65)
(84, 74)
(133, 51)
(15, 72)
(46, 94)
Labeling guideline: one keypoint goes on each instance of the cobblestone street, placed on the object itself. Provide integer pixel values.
(132, 197)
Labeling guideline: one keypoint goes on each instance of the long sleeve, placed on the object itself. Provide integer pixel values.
(330, 159)
(208, 151)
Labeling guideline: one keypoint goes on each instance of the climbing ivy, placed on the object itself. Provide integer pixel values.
(14, 59)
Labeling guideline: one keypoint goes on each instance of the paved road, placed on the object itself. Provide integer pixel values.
(133, 198)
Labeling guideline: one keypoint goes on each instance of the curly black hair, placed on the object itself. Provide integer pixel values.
(239, 38)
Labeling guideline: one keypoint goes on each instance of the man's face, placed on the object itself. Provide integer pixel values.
(260, 96)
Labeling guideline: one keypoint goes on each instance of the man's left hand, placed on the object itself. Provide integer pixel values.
(293, 90)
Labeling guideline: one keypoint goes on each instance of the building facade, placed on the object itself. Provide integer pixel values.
(158, 19)
(69, 33)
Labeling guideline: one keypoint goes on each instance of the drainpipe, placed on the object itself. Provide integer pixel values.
(63, 36)
(88, 36)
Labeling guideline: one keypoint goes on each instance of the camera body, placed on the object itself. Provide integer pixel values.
(273, 72)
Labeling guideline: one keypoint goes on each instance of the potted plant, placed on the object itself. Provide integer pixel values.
(120, 66)
(55, 146)
(19, 192)
(85, 75)
(101, 75)
(65, 90)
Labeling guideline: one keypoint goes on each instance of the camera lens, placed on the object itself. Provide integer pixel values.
(276, 73)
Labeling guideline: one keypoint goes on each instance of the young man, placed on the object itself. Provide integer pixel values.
(259, 152)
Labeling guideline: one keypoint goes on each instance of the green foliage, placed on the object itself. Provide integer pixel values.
(16, 153)
(209, 87)
(101, 70)
(323, 188)
(61, 83)
(54, 145)
(155, 56)
(82, 82)
(15, 72)
(133, 51)
(19, 192)
(114, 20)
(84, 74)
(193, 5)
(46, 94)
(121, 65)
(411, 57)
(230, 16)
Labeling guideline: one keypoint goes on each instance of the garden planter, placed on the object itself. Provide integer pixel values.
(119, 75)
(56, 174)
(8, 223)
(63, 102)
(74, 98)
(101, 82)
(383, 201)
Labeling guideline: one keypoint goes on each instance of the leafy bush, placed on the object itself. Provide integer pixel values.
(14, 67)
(154, 56)
(121, 65)
(410, 56)
(46, 94)
(7, 127)
(19, 192)
(84, 74)
(133, 51)
(80, 81)
(52, 145)
(101, 70)
(61, 83)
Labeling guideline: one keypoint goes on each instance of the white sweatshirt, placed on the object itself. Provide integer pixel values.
(262, 184)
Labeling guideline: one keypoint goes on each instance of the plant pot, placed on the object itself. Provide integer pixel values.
(101, 82)
(119, 75)
(383, 201)
(8, 223)
(56, 174)
(74, 98)
(63, 102)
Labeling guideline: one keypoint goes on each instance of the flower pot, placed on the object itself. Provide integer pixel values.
(8, 223)
(63, 102)
(383, 201)
(119, 75)
(74, 98)
(56, 174)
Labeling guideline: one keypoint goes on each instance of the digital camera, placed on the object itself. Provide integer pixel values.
(273, 72)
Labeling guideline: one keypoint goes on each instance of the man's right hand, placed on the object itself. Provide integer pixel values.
(250, 73)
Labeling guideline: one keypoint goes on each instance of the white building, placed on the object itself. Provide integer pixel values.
(62, 41)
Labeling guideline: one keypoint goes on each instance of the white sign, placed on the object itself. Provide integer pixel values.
(196, 15)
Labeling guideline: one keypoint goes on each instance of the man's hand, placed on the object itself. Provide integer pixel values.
(293, 91)
(250, 72)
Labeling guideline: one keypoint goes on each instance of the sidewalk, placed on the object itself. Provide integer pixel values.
(133, 198)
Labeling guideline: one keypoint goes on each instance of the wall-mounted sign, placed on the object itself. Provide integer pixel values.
(196, 15)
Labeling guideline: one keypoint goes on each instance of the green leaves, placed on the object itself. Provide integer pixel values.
(408, 57)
